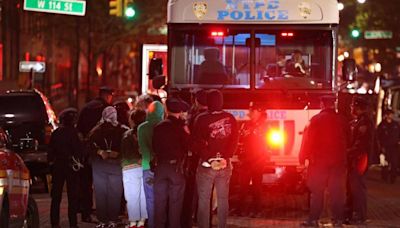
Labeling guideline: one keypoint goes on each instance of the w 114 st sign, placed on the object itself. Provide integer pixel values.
(70, 7)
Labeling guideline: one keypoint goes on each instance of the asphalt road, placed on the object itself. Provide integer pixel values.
(282, 210)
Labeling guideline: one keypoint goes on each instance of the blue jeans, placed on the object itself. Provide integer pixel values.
(148, 183)
(107, 180)
(169, 190)
(206, 179)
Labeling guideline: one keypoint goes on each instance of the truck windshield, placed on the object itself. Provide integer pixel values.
(282, 59)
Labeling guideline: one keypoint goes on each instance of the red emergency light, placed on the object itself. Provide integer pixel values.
(287, 34)
(217, 33)
(275, 138)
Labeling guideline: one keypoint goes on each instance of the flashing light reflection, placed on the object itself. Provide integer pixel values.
(217, 33)
(287, 34)
(275, 138)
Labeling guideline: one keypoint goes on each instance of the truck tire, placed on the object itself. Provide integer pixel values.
(4, 216)
(32, 214)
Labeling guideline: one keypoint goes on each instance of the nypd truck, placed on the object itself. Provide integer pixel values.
(280, 53)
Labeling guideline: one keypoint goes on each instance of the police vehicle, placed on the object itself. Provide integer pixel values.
(280, 53)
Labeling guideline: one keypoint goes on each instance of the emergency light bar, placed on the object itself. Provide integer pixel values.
(217, 33)
(287, 34)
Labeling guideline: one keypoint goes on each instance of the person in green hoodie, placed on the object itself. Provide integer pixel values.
(155, 114)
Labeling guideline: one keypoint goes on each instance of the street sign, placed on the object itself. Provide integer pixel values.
(378, 34)
(28, 66)
(70, 7)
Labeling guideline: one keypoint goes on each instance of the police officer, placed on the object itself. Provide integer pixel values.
(64, 157)
(170, 145)
(89, 116)
(389, 138)
(324, 146)
(216, 131)
(253, 156)
(191, 196)
(362, 131)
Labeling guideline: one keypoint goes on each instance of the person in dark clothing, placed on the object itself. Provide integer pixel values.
(362, 142)
(217, 136)
(122, 112)
(254, 157)
(64, 157)
(211, 70)
(325, 142)
(89, 116)
(105, 140)
(170, 145)
(389, 139)
(191, 196)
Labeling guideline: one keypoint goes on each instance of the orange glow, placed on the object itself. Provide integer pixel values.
(275, 138)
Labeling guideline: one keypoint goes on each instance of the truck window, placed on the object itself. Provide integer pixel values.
(210, 59)
(295, 59)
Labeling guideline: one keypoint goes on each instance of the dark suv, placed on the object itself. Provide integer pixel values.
(28, 118)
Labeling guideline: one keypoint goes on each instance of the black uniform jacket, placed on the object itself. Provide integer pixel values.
(326, 139)
(170, 140)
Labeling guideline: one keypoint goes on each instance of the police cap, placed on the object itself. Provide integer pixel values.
(256, 106)
(106, 90)
(68, 116)
(360, 102)
(176, 105)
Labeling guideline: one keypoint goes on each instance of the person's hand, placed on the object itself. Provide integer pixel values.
(112, 154)
(103, 154)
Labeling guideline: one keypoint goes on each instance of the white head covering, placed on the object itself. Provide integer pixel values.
(109, 115)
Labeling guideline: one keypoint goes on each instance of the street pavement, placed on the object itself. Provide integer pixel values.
(283, 210)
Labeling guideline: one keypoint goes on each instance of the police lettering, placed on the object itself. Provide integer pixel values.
(258, 10)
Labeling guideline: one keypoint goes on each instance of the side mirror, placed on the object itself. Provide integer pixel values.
(349, 70)
(159, 81)
(155, 67)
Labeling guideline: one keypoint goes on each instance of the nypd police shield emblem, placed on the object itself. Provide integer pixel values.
(199, 9)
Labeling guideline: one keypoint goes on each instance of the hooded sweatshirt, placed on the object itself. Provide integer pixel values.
(155, 115)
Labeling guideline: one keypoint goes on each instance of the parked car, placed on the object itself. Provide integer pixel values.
(17, 207)
(28, 118)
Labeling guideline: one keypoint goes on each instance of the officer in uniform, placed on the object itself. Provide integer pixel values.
(170, 145)
(389, 138)
(362, 131)
(64, 157)
(324, 146)
(253, 157)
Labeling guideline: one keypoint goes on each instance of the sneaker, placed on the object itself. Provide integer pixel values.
(309, 223)
(112, 225)
(101, 225)
(131, 225)
(337, 223)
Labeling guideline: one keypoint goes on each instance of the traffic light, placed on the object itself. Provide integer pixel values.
(355, 33)
(129, 9)
(115, 8)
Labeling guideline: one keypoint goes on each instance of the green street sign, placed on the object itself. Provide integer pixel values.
(378, 34)
(70, 7)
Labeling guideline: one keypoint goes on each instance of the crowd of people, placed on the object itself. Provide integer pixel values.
(168, 161)
(170, 157)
